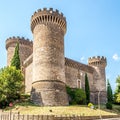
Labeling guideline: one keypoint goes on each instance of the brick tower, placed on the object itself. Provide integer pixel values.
(48, 87)
(25, 48)
(99, 82)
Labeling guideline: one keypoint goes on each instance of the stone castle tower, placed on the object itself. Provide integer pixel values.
(48, 28)
(46, 69)
(99, 64)
(25, 48)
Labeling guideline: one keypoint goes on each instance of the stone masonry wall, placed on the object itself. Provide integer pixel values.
(99, 81)
(49, 93)
(99, 84)
(48, 56)
(75, 71)
(28, 78)
(72, 79)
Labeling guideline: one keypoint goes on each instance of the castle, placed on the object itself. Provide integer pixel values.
(47, 71)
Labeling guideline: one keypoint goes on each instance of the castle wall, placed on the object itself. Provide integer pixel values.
(75, 74)
(72, 79)
(72, 75)
(28, 78)
(25, 51)
(28, 71)
(10, 53)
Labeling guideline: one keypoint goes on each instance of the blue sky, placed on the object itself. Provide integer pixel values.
(93, 28)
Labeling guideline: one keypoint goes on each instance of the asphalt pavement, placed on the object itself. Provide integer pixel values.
(110, 119)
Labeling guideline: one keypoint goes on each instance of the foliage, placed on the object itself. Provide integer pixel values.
(117, 91)
(76, 96)
(109, 92)
(10, 85)
(70, 93)
(118, 79)
(90, 105)
(118, 98)
(109, 105)
(109, 96)
(16, 59)
(118, 84)
(87, 89)
(25, 97)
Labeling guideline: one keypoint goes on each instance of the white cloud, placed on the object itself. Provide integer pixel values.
(82, 58)
(116, 57)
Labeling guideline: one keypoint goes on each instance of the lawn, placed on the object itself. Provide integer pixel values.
(62, 110)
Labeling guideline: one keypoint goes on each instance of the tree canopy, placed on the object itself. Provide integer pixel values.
(10, 84)
(16, 59)
(87, 89)
(109, 92)
(117, 91)
(76, 95)
(118, 84)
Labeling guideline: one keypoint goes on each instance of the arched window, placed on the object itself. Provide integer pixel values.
(79, 83)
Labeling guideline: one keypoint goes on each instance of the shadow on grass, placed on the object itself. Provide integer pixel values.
(115, 109)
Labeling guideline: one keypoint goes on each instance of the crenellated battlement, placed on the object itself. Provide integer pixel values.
(21, 40)
(48, 16)
(97, 61)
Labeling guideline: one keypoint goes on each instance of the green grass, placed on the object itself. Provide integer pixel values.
(28, 108)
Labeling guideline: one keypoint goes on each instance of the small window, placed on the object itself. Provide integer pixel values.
(78, 83)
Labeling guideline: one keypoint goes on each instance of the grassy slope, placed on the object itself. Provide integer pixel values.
(62, 110)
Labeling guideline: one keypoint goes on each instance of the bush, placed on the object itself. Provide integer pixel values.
(24, 97)
(90, 105)
(76, 96)
(3, 104)
(109, 105)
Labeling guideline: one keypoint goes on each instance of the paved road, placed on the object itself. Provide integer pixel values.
(110, 119)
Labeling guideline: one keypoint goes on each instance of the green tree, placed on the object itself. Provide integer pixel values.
(109, 96)
(118, 84)
(16, 59)
(117, 91)
(109, 92)
(87, 89)
(10, 84)
(118, 98)
(76, 96)
(80, 96)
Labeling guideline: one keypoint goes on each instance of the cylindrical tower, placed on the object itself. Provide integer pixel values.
(48, 28)
(99, 76)
(25, 48)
